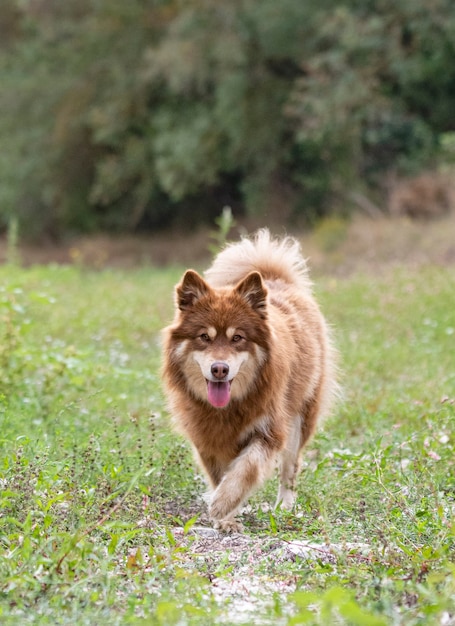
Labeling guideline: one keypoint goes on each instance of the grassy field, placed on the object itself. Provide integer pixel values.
(101, 516)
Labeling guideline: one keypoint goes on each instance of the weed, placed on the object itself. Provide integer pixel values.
(12, 248)
(225, 222)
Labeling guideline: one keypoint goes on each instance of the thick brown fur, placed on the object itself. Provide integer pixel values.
(252, 330)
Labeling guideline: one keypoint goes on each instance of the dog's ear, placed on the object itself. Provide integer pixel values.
(191, 289)
(253, 290)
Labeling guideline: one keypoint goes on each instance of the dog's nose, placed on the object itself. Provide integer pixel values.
(219, 370)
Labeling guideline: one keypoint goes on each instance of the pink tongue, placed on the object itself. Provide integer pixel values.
(219, 393)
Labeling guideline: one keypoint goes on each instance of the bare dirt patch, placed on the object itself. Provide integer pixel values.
(245, 588)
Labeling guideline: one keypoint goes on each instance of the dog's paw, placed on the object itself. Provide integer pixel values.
(219, 509)
(230, 525)
(222, 513)
(286, 499)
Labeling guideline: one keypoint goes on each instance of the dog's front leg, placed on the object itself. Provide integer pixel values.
(245, 473)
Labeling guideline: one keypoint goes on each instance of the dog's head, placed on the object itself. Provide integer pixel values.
(220, 337)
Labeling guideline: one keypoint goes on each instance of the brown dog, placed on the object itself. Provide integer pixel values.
(249, 369)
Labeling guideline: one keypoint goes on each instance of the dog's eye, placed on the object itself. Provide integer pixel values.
(204, 337)
(237, 338)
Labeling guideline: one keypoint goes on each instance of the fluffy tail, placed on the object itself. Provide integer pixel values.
(275, 259)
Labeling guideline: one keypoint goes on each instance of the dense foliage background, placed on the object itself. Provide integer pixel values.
(130, 115)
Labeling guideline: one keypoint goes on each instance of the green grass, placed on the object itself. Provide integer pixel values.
(95, 488)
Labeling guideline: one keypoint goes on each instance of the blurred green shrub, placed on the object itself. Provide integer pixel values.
(127, 115)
